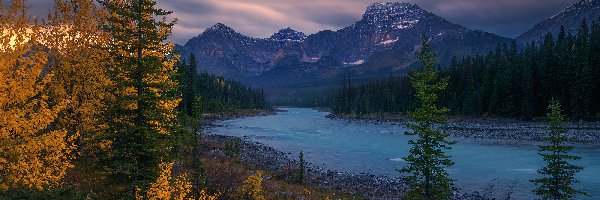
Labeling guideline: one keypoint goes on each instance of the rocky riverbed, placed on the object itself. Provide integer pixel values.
(580, 132)
(284, 168)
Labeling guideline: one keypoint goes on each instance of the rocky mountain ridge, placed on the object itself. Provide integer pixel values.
(383, 42)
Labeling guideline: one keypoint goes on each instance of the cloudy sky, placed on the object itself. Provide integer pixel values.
(261, 18)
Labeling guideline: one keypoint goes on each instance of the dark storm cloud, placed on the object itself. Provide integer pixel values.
(261, 18)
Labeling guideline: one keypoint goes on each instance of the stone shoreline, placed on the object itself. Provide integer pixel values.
(578, 132)
(372, 186)
(279, 164)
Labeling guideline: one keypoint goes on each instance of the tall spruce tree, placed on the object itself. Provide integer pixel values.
(559, 175)
(427, 159)
(595, 65)
(581, 92)
(301, 168)
(143, 113)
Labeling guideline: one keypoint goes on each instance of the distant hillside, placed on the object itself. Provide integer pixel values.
(571, 18)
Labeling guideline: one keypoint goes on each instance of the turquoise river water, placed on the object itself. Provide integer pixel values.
(355, 147)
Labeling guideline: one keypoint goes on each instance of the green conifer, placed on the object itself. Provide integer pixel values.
(427, 178)
(559, 175)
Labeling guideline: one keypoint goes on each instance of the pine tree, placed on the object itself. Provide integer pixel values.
(595, 65)
(33, 152)
(559, 175)
(301, 168)
(427, 159)
(527, 82)
(144, 111)
(187, 78)
(581, 92)
(199, 174)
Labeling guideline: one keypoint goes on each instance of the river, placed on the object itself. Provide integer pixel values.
(494, 167)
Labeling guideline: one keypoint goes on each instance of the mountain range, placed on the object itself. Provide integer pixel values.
(384, 42)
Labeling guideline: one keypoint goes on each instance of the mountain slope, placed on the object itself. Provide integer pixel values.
(570, 18)
(384, 41)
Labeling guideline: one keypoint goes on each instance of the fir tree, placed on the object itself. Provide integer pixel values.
(301, 168)
(143, 114)
(199, 174)
(581, 92)
(559, 175)
(427, 159)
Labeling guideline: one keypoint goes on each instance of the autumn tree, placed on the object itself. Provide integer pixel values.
(559, 174)
(33, 153)
(81, 66)
(143, 113)
(164, 187)
(252, 187)
(427, 178)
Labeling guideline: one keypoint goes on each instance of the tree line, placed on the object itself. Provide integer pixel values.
(512, 81)
(216, 93)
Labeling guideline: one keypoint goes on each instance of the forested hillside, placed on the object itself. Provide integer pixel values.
(508, 82)
(214, 93)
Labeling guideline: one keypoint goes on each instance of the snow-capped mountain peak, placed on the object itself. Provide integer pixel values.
(219, 26)
(220, 29)
(393, 15)
(288, 34)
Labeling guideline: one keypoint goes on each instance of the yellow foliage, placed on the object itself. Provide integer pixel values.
(81, 67)
(165, 188)
(252, 187)
(205, 196)
(33, 153)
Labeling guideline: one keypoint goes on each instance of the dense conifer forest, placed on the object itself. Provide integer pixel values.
(512, 81)
(216, 93)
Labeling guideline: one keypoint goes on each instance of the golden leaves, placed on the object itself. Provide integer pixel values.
(35, 151)
(74, 43)
(166, 188)
(252, 187)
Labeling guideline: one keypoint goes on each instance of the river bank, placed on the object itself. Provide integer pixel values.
(493, 168)
(284, 166)
(498, 129)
